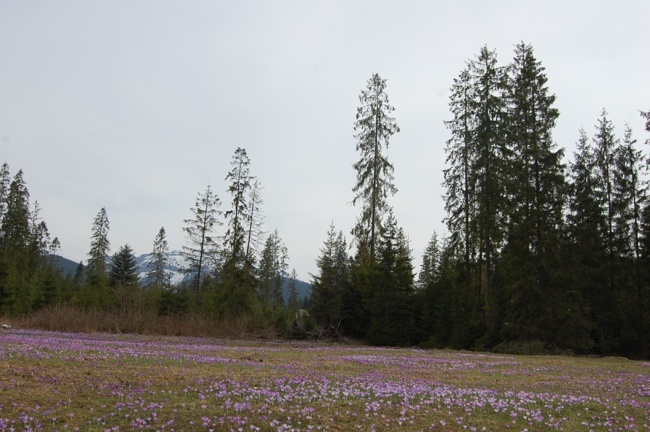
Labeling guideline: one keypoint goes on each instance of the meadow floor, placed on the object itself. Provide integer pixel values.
(106, 382)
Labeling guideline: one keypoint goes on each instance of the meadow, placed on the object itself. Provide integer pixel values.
(110, 382)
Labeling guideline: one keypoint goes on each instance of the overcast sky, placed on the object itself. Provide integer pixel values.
(137, 105)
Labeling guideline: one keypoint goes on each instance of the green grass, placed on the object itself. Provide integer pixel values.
(98, 382)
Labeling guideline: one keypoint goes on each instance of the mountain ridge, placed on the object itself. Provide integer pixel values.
(174, 267)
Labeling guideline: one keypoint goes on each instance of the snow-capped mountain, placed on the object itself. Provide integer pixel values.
(176, 262)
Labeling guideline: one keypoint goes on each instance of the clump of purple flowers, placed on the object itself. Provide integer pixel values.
(63, 381)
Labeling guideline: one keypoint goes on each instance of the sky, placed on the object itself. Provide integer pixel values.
(137, 106)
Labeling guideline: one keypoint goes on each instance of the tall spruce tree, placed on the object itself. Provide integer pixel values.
(536, 187)
(96, 290)
(460, 199)
(630, 194)
(605, 145)
(200, 249)
(16, 259)
(586, 246)
(374, 126)
(478, 158)
(462, 204)
(239, 214)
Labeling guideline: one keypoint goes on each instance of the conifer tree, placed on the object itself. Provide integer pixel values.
(97, 279)
(272, 270)
(255, 220)
(332, 280)
(587, 254)
(605, 149)
(460, 199)
(630, 195)
(490, 170)
(5, 181)
(374, 126)
(16, 259)
(435, 320)
(157, 276)
(478, 157)
(201, 237)
(124, 269)
(239, 214)
(392, 303)
(293, 302)
(536, 187)
(355, 306)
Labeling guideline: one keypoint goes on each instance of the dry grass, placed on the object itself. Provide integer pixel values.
(66, 318)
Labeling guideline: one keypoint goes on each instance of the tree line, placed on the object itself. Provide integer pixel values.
(540, 254)
(540, 251)
(236, 272)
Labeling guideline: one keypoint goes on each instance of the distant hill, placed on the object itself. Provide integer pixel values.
(176, 262)
(68, 267)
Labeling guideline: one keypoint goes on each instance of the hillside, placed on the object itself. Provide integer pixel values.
(175, 265)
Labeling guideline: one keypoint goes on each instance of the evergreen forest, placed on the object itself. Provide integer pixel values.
(544, 251)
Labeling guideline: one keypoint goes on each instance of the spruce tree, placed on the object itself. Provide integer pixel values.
(272, 270)
(489, 170)
(374, 126)
(293, 302)
(392, 310)
(124, 269)
(355, 308)
(157, 275)
(239, 214)
(96, 290)
(434, 293)
(5, 181)
(16, 259)
(586, 251)
(331, 281)
(536, 187)
(201, 238)
(460, 199)
(255, 220)
(630, 194)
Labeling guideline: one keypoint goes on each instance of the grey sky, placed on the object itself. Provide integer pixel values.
(138, 105)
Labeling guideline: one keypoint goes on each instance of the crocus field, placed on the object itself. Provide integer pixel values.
(107, 382)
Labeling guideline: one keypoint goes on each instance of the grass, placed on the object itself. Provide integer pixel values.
(109, 382)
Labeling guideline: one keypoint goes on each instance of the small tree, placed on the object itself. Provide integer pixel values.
(293, 302)
(332, 280)
(157, 276)
(201, 237)
(124, 269)
(273, 268)
(5, 180)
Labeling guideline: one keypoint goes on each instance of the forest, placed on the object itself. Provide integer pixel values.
(544, 252)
